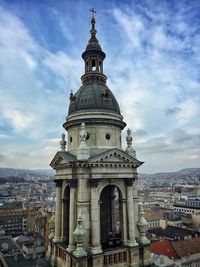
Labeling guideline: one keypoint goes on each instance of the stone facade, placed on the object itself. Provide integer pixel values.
(96, 180)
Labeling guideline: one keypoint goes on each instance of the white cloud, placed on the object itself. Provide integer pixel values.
(64, 66)
(131, 25)
(18, 120)
(189, 111)
(151, 70)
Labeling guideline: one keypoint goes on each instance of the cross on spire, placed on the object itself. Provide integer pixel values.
(93, 11)
(93, 31)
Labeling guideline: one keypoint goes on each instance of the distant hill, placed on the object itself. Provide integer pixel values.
(194, 172)
(190, 170)
(7, 172)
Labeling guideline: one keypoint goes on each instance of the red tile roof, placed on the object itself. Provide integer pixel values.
(165, 248)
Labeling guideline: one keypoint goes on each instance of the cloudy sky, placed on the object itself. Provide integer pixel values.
(152, 64)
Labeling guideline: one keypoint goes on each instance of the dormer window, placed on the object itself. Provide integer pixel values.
(106, 95)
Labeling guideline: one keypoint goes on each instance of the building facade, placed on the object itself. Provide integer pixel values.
(97, 222)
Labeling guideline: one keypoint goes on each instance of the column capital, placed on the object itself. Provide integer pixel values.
(129, 181)
(58, 182)
(93, 182)
(73, 183)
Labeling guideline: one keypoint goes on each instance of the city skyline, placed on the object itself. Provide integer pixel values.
(152, 66)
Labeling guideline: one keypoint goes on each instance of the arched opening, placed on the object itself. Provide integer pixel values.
(65, 222)
(110, 217)
(94, 67)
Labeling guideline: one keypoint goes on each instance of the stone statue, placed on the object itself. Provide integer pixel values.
(83, 150)
(129, 150)
(63, 142)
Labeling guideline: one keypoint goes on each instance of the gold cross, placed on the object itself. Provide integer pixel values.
(93, 11)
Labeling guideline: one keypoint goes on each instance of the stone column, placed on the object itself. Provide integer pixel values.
(130, 210)
(72, 212)
(58, 211)
(136, 202)
(124, 221)
(95, 218)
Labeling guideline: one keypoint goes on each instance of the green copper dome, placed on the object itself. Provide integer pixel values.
(96, 97)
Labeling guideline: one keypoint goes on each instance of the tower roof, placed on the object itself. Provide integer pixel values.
(94, 97)
(94, 94)
(93, 43)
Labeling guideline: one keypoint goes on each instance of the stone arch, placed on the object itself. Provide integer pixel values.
(111, 215)
(120, 184)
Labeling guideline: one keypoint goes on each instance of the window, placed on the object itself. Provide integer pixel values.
(108, 136)
(93, 65)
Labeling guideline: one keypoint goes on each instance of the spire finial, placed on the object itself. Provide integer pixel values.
(93, 30)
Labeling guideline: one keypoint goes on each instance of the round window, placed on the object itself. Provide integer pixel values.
(108, 136)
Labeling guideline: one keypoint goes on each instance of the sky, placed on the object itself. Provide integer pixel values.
(152, 65)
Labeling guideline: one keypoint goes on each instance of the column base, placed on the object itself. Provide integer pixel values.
(132, 243)
(95, 250)
(79, 252)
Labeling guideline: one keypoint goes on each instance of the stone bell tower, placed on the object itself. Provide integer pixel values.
(97, 222)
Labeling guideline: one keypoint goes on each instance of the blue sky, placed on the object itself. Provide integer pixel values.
(152, 64)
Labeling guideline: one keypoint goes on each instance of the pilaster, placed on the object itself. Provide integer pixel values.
(95, 218)
(124, 221)
(72, 212)
(130, 210)
(83, 207)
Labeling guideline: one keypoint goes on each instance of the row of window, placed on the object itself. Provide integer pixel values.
(153, 224)
(185, 210)
(107, 136)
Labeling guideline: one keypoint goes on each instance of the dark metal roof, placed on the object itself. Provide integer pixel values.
(91, 97)
(173, 232)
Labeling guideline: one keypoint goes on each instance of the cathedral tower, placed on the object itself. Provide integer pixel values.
(96, 215)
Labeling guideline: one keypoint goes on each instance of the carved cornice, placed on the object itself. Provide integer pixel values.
(101, 164)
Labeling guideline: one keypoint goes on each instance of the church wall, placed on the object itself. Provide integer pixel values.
(97, 138)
